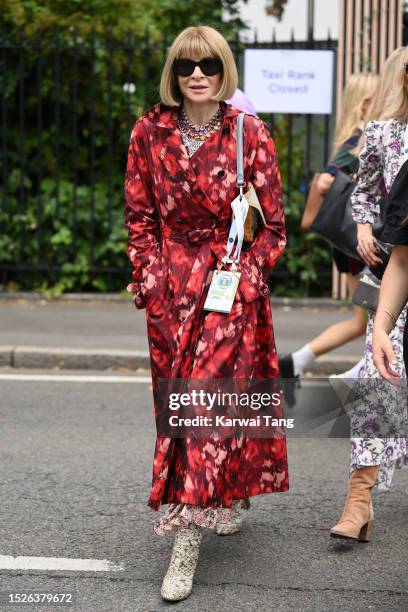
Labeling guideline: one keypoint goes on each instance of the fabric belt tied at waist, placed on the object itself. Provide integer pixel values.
(197, 236)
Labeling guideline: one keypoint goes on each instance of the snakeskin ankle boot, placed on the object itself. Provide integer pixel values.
(239, 510)
(178, 581)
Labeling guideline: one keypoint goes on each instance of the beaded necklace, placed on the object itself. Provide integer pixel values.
(194, 135)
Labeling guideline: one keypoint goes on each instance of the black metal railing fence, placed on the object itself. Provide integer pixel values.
(67, 107)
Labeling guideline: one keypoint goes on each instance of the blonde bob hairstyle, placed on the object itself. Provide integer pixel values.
(358, 93)
(200, 42)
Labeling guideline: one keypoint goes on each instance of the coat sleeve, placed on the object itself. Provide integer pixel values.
(140, 218)
(366, 196)
(260, 258)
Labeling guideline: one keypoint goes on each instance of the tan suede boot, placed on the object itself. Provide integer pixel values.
(356, 522)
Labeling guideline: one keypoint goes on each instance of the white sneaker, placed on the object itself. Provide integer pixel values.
(239, 510)
(178, 581)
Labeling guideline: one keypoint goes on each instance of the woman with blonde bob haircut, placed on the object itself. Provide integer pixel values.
(377, 408)
(203, 42)
(181, 179)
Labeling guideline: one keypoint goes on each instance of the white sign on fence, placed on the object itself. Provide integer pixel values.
(289, 81)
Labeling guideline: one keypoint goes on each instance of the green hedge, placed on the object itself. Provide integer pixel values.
(41, 225)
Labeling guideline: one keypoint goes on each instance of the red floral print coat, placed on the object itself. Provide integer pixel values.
(178, 213)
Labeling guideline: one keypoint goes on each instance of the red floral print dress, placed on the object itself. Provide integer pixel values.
(178, 213)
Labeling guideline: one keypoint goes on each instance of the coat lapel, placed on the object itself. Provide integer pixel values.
(175, 159)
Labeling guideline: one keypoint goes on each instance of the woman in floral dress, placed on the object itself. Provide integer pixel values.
(378, 405)
(180, 182)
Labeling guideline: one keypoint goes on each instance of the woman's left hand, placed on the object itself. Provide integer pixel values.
(366, 244)
(384, 356)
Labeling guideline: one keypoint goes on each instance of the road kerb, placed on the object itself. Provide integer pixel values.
(78, 359)
(102, 359)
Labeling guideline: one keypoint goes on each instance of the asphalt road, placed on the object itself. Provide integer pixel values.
(75, 476)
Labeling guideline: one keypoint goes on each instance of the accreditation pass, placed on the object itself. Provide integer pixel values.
(221, 293)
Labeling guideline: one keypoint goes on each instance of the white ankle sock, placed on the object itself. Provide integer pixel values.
(353, 372)
(302, 358)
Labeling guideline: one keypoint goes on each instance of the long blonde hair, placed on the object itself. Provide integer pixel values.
(205, 42)
(380, 103)
(397, 100)
(358, 92)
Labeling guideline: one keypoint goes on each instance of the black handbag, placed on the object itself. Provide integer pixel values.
(346, 242)
(334, 221)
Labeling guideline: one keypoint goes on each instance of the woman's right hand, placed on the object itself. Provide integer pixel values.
(366, 244)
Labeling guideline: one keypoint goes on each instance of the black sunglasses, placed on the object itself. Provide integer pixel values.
(208, 66)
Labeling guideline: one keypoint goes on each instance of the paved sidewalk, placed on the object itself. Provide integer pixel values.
(111, 333)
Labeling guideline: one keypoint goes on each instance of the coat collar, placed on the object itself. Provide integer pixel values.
(173, 154)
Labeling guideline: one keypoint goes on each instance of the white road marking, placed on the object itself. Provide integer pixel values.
(76, 378)
(58, 563)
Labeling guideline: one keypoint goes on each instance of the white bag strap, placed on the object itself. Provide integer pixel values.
(240, 149)
(239, 205)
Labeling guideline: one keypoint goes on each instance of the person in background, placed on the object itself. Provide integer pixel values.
(242, 102)
(358, 94)
(393, 298)
(393, 294)
(343, 383)
(377, 405)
